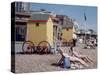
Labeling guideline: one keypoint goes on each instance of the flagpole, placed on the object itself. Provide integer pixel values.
(85, 28)
(85, 32)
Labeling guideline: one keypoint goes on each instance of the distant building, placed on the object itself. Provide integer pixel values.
(22, 6)
(86, 34)
(57, 31)
(22, 16)
(21, 19)
(76, 25)
(63, 29)
(67, 29)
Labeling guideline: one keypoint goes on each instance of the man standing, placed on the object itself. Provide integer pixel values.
(74, 39)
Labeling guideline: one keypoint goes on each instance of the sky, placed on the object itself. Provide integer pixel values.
(74, 12)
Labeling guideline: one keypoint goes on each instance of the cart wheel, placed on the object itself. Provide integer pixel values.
(45, 47)
(28, 47)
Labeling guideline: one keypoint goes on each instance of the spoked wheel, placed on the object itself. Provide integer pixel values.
(44, 47)
(28, 47)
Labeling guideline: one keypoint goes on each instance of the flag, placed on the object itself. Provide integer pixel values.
(85, 16)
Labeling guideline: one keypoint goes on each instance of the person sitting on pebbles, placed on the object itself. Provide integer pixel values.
(66, 60)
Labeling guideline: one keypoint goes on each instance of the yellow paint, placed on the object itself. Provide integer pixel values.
(50, 31)
(43, 32)
(67, 35)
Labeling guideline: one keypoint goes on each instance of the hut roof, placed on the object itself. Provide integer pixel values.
(39, 17)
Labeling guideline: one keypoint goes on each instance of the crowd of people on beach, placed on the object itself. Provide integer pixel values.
(90, 42)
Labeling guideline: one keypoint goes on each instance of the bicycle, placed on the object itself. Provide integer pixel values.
(42, 48)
